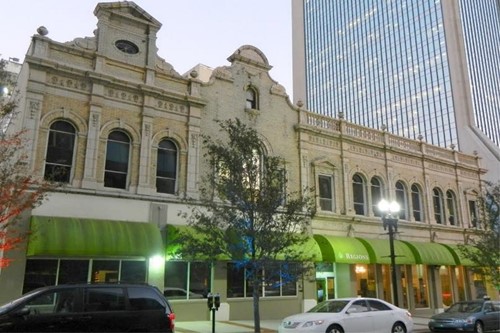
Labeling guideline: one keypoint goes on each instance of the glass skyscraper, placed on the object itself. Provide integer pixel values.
(424, 69)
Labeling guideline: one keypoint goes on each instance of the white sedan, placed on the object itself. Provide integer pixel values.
(350, 315)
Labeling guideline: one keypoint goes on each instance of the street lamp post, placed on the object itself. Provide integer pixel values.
(390, 212)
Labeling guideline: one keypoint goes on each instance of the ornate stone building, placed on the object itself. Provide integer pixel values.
(120, 128)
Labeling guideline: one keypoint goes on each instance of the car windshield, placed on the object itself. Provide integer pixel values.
(329, 306)
(465, 307)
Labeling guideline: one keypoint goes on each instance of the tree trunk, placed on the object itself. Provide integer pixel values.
(256, 312)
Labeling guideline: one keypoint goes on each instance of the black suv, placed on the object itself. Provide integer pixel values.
(89, 308)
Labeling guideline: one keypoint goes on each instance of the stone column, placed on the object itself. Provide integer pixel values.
(145, 160)
(92, 150)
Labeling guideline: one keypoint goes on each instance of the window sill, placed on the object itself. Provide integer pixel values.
(252, 112)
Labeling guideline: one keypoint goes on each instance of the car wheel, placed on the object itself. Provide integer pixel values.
(335, 329)
(398, 328)
(478, 327)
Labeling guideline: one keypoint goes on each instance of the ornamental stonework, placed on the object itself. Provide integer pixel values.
(441, 168)
(365, 151)
(122, 95)
(406, 160)
(468, 174)
(324, 142)
(172, 107)
(69, 83)
(34, 107)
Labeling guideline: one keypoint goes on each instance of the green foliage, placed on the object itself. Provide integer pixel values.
(486, 251)
(245, 215)
(6, 80)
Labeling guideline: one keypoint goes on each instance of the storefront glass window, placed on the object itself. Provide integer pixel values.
(235, 281)
(105, 270)
(49, 272)
(133, 271)
(365, 278)
(479, 285)
(444, 274)
(404, 286)
(73, 271)
(40, 273)
(459, 273)
(420, 288)
(330, 288)
(282, 283)
(386, 282)
(186, 280)
(176, 274)
(199, 278)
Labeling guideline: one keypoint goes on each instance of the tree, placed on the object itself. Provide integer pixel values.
(20, 190)
(246, 216)
(6, 82)
(485, 251)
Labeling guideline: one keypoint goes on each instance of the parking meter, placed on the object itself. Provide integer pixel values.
(213, 301)
(217, 301)
(210, 301)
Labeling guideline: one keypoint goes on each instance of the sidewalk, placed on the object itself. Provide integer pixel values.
(267, 326)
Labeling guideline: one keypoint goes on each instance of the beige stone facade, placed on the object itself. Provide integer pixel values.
(116, 81)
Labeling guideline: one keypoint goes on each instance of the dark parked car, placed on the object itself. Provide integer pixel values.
(469, 316)
(89, 308)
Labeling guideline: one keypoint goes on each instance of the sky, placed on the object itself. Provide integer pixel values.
(192, 32)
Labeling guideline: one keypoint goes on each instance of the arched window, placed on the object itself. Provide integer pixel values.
(359, 194)
(60, 148)
(117, 160)
(166, 167)
(451, 205)
(377, 195)
(437, 200)
(251, 99)
(416, 203)
(402, 199)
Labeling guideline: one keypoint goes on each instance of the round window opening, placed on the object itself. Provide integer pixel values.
(126, 46)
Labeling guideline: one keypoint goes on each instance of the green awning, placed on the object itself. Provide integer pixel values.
(62, 236)
(310, 249)
(346, 250)
(380, 251)
(460, 258)
(431, 253)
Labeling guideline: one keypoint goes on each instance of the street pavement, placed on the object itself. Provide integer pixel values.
(267, 326)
